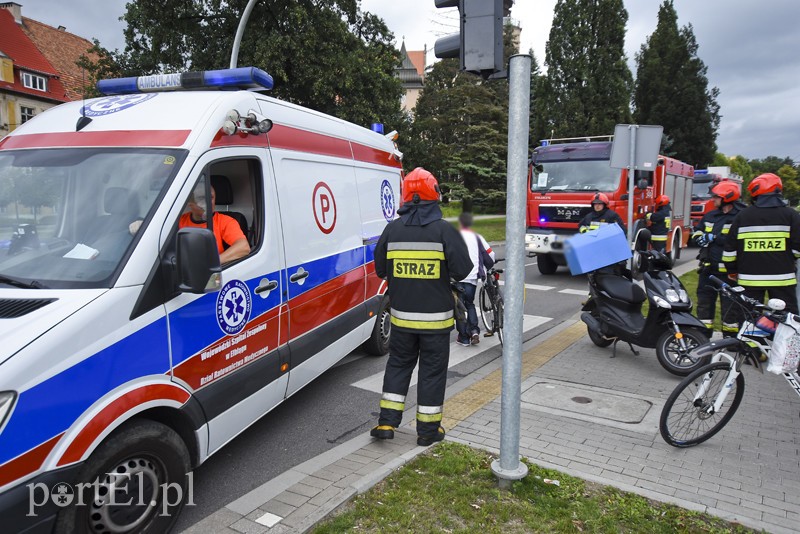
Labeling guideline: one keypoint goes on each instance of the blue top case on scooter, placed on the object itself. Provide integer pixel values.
(590, 251)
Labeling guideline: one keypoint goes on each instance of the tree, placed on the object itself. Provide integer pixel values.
(672, 90)
(327, 55)
(460, 133)
(587, 89)
(791, 189)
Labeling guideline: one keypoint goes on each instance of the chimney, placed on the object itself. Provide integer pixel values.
(15, 9)
(62, 28)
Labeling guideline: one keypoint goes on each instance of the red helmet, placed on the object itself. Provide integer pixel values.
(600, 198)
(727, 191)
(765, 183)
(663, 200)
(420, 185)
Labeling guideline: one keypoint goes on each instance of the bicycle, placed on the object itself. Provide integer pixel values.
(490, 302)
(706, 400)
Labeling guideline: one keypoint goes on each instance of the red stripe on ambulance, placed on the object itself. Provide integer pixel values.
(171, 138)
(109, 414)
(26, 463)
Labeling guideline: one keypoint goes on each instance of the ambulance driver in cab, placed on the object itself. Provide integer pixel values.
(226, 229)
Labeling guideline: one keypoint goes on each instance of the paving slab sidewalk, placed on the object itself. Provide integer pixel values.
(749, 472)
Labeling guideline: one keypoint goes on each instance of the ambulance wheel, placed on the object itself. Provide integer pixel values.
(378, 342)
(546, 264)
(143, 465)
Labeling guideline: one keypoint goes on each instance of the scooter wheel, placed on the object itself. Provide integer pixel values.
(598, 339)
(674, 359)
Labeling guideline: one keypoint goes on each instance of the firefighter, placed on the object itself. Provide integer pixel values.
(710, 233)
(600, 215)
(764, 243)
(418, 254)
(659, 223)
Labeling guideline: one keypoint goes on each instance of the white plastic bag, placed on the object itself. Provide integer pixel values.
(785, 353)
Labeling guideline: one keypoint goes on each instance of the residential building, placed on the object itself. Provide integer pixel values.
(412, 75)
(37, 66)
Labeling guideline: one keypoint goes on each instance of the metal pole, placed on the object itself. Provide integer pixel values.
(240, 31)
(631, 173)
(509, 467)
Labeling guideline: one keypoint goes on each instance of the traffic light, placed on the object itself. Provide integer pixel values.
(479, 43)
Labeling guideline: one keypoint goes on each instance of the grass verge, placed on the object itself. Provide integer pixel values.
(452, 489)
(492, 230)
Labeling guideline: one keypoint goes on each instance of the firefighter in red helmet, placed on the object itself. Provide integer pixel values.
(600, 215)
(418, 253)
(710, 234)
(764, 243)
(660, 222)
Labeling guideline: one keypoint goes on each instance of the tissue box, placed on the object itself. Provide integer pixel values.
(595, 249)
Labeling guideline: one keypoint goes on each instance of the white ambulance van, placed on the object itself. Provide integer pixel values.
(129, 354)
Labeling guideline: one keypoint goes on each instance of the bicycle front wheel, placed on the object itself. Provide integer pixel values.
(686, 421)
(485, 308)
(498, 319)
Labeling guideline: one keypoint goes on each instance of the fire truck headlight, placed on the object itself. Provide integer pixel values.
(7, 399)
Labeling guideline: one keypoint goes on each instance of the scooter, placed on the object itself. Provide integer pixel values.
(613, 312)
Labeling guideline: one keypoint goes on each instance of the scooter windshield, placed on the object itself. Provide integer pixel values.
(66, 214)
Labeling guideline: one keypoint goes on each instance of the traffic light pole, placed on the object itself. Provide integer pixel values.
(509, 467)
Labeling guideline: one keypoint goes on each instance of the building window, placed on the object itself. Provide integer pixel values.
(32, 81)
(26, 114)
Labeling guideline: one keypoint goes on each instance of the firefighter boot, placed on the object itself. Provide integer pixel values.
(382, 432)
(424, 441)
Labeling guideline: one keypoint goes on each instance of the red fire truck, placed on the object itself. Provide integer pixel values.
(564, 176)
(704, 181)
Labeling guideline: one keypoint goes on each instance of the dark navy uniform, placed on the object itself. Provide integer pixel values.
(418, 254)
(660, 222)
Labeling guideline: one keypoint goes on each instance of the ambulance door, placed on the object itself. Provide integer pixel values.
(225, 344)
(324, 260)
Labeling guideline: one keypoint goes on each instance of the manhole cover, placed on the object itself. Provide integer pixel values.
(581, 400)
(574, 398)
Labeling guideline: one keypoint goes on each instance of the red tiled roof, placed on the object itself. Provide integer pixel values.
(62, 49)
(417, 57)
(22, 51)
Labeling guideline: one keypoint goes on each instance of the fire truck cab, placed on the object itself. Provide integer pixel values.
(704, 182)
(564, 176)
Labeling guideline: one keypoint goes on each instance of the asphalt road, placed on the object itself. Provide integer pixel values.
(331, 409)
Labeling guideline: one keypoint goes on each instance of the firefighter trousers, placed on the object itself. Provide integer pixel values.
(785, 293)
(707, 303)
(433, 353)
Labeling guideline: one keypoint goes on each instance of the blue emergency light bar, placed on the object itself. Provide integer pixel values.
(240, 78)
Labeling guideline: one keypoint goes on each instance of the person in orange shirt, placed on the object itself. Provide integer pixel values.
(226, 229)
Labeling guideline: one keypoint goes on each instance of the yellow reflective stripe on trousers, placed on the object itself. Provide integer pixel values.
(391, 405)
(429, 414)
(658, 238)
(423, 325)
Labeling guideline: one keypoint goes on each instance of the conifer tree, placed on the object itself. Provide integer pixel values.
(672, 90)
(587, 89)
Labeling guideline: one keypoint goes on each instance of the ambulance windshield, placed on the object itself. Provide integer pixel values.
(66, 214)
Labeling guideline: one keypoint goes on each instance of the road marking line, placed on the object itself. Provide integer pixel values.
(581, 292)
(458, 354)
(532, 286)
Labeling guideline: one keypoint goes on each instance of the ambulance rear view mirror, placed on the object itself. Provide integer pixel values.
(198, 266)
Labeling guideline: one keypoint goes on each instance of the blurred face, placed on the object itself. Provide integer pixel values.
(717, 201)
(197, 202)
(598, 206)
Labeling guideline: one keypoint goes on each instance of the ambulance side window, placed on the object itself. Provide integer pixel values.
(236, 204)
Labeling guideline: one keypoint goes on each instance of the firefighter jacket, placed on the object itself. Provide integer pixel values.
(660, 223)
(715, 223)
(595, 219)
(418, 254)
(763, 244)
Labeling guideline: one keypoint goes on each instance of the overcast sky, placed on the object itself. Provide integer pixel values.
(751, 49)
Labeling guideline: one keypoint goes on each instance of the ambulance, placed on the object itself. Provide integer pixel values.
(129, 354)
